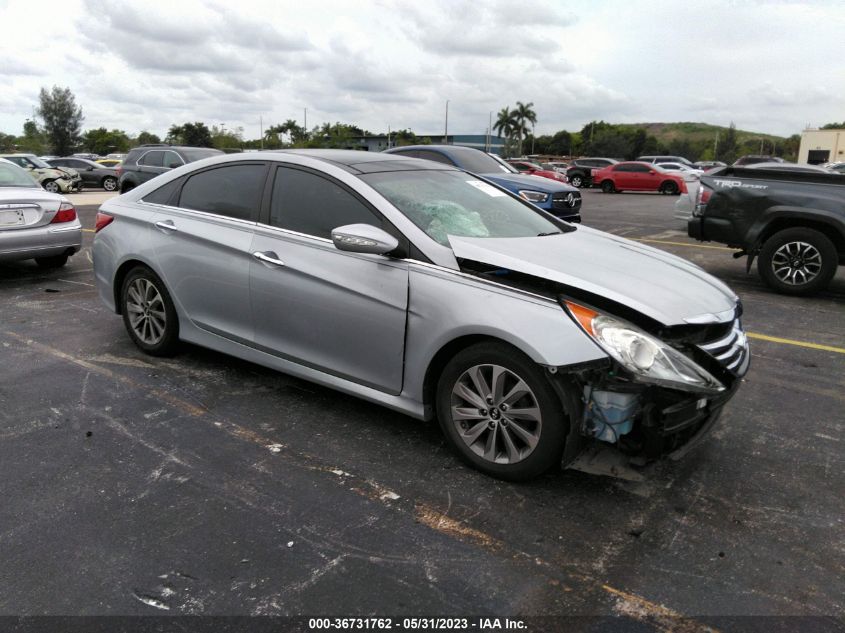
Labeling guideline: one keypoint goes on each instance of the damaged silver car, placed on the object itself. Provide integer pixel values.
(430, 291)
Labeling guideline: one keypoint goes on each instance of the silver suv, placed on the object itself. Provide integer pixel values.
(417, 286)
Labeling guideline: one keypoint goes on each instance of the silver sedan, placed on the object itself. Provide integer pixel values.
(433, 292)
(35, 224)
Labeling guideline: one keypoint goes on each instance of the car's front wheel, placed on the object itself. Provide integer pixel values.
(148, 313)
(576, 181)
(798, 261)
(52, 186)
(109, 183)
(607, 186)
(500, 413)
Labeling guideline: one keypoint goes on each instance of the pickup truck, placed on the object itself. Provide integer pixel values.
(793, 223)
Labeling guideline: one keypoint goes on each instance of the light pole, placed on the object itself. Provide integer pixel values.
(532, 137)
(446, 128)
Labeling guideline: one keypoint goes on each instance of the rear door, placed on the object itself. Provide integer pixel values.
(202, 244)
(342, 313)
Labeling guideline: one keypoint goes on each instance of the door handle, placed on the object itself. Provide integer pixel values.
(268, 257)
(166, 225)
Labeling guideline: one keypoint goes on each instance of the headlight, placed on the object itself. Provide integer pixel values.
(648, 358)
(534, 196)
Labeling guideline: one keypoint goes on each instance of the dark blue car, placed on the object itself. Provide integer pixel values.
(559, 199)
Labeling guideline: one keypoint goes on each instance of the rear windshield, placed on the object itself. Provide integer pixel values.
(14, 176)
(481, 163)
(444, 203)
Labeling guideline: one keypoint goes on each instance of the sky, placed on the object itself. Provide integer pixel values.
(769, 66)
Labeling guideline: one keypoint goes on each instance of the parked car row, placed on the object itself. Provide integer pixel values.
(52, 179)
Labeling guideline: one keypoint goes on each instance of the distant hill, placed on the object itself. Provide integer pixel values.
(695, 132)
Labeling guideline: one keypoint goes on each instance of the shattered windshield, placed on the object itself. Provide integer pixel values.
(444, 203)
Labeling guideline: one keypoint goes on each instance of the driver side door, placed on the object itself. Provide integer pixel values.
(339, 312)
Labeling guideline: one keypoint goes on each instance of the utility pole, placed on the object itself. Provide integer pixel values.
(716, 146)
(388, 137)
(761, 145)
(532, 138)
(490, 133)
(446, 129)
(305, 120)
(261, 128)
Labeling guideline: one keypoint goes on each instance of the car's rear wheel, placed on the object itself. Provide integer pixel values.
(607, 186)
(669, 188)
(51, 185)
(109, 183)
(148, 313)
(56, 261)
(798, 261)
(500, 413)
(576, 181)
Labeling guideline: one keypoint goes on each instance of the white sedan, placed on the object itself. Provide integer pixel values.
(686, 172)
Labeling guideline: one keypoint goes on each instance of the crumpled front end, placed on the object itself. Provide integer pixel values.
(647, 418)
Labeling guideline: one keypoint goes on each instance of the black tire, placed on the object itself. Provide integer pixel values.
(798, 253)
(164, 329)
(52, 186)
(670, 188)
(607, 186)
(548, 431)
(577, 181)
(56, 261)
(109, 183)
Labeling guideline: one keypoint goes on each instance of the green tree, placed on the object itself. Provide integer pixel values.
(524, 115)
(227, 140)
(146, 138)
(560, 144)
(833, 126)
(102, 141)
(62, 119)
(8, 142)
(726, 149)
(32, 141)
(194, 134)
(505, 125)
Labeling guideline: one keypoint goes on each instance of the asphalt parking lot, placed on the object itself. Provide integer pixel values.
(202, 484)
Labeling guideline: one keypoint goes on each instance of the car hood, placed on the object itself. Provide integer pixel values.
(661, 286)
(50, 173)
(535, 183)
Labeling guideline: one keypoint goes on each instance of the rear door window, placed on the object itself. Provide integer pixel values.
(233, 190)
(154, 158)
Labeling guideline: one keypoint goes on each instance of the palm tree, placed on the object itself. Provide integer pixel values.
(524, 115)
(505, 124)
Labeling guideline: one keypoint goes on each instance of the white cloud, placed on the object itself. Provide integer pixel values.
(768, 66)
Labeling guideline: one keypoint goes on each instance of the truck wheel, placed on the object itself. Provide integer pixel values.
(500, 413)
(576, 181)
(797, 261)
(607, 186)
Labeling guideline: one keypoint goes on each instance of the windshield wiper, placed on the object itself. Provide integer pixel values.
(549, 233)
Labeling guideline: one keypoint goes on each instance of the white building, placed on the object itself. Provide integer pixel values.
(822, 146)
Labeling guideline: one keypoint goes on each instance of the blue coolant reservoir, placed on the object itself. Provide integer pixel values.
(610, 414)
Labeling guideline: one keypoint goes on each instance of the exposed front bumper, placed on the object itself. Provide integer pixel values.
(42, 241)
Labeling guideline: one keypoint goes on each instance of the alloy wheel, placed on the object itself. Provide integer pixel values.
(145, 308)
(796, 263)
(496, 414)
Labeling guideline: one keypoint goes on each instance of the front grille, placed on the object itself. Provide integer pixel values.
(566, 200)
(730, 350)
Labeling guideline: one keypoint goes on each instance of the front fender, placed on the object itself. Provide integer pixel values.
(446, 305)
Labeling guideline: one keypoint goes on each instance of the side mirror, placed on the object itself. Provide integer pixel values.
(174, 165)
(363, 238)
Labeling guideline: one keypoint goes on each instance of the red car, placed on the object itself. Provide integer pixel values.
(637, 176)
(533, 169)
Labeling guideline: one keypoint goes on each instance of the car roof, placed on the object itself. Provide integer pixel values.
(361, 162)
